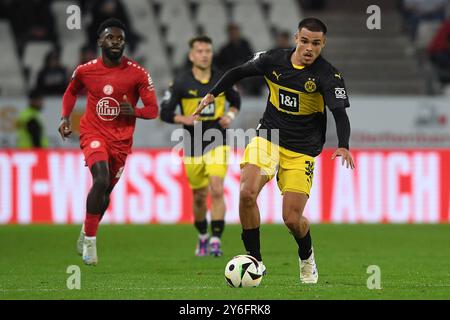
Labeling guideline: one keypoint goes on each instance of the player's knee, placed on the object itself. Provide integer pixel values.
(248, 196)
(292, 209)
(200, 198)
(292, 222)
(101, 183)
(216, 191)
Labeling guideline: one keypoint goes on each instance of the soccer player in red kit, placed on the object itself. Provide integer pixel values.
(114, 84)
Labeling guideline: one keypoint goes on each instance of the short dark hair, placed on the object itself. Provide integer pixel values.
(35, 94)
(199, 39)
(111, 22)
(312, 24)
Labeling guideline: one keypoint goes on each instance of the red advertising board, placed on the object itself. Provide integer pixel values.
(387, 186)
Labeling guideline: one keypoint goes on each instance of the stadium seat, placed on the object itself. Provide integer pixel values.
(175, 16)
(284, 14)
(143, 21)
(71, 40)
(424, 33)
(446, 90)
(248, 15)
(212, 17)
(11, 78)
(33, 58)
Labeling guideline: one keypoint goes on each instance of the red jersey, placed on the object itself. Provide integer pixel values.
(106, 87)
(440, 41)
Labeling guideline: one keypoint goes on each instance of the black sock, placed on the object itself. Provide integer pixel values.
(251, 242)
(217, 227)
(201, 226)
(304, 246)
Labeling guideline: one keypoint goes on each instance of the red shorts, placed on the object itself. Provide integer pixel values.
(95, 149)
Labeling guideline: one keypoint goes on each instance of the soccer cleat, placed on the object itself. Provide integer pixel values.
(202, 246)
(90, 251)
(308, 270)
(263, 268)
(215, 247)
(80, 241)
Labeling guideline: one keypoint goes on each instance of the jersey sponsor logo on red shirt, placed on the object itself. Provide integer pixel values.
(108, 108)
(108, 89)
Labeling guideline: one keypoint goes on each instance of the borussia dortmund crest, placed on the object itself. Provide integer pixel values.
(310, 85)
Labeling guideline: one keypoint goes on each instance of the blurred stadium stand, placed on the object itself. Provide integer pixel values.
(70, 40)
(373, 61)
(12, 82)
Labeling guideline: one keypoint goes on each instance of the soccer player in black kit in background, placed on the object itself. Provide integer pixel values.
(301, 82)
(205, 161)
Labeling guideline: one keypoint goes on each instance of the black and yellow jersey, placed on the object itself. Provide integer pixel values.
(187, 92)
(297, 98)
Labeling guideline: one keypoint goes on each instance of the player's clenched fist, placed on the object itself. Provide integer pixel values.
(65, 128)
(125, 107)
(207, 100)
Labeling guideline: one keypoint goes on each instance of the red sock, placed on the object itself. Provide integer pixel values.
(91, 224)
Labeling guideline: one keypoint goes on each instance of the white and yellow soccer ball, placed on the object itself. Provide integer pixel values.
(243, 271)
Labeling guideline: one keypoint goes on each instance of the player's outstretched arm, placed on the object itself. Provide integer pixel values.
(230, 77)
(343, 132)
(207, 100)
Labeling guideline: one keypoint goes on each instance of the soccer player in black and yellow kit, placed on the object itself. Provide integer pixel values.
(205, 161)
(301, 82)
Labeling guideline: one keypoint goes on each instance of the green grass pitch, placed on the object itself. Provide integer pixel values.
(158, 262)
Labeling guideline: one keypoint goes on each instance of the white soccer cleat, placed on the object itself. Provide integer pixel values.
(263, 269)
(90, 251)
(308, 270)
(80, 241)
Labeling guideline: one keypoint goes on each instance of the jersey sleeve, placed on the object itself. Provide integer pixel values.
(260, 61)
(70, 95)
(169, 103)
(147, 93)
(253, 67)
(334, 91)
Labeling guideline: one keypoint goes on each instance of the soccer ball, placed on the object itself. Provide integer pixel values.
(243, 271)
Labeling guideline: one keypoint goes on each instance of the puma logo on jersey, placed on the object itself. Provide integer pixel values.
(193, 92)
(276, 75)
(338, 75)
